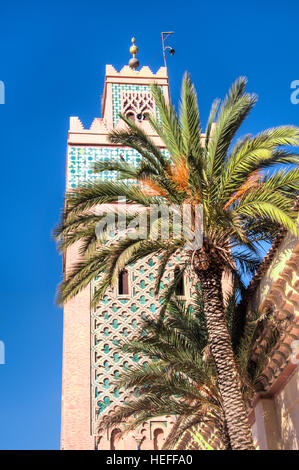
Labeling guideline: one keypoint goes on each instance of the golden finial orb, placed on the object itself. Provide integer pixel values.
(133, 63)
(133, 48)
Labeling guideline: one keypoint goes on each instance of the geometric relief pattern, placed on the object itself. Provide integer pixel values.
(118, 318)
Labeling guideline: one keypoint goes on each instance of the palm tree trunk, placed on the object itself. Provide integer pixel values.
(221, 348)
(223, 434)
(180, 437)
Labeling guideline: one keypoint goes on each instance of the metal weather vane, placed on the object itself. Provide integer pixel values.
(164, 36)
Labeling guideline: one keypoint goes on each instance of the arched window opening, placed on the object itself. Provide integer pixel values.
(131, 116)
(114, 439)
(158, 439)
(123, 282)
(180, 287)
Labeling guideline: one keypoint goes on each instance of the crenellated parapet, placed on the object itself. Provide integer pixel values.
(144, 73)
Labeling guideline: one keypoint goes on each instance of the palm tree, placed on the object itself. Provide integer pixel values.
(179, 376)
(244, 202)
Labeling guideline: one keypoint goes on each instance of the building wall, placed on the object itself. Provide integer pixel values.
(287, 409)
(277, 410)
(75, 410)
(281, 275)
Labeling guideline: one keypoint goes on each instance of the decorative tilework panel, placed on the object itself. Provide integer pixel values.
(81, 160)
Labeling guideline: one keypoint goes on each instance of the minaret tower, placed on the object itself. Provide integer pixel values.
(90, 357)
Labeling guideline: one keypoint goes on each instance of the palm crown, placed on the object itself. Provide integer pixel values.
(241, 203)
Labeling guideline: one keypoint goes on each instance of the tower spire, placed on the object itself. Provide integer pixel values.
(133, 62)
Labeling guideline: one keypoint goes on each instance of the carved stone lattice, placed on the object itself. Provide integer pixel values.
(137, 103)
(117, 318)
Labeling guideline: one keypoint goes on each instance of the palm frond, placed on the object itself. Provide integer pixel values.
(170, 131)
(190, 120)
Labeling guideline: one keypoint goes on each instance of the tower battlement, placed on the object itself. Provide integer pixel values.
(144, 72)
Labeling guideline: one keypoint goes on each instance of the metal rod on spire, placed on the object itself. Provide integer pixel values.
(164, 36)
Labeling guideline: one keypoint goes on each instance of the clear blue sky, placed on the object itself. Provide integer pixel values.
(52, 61)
